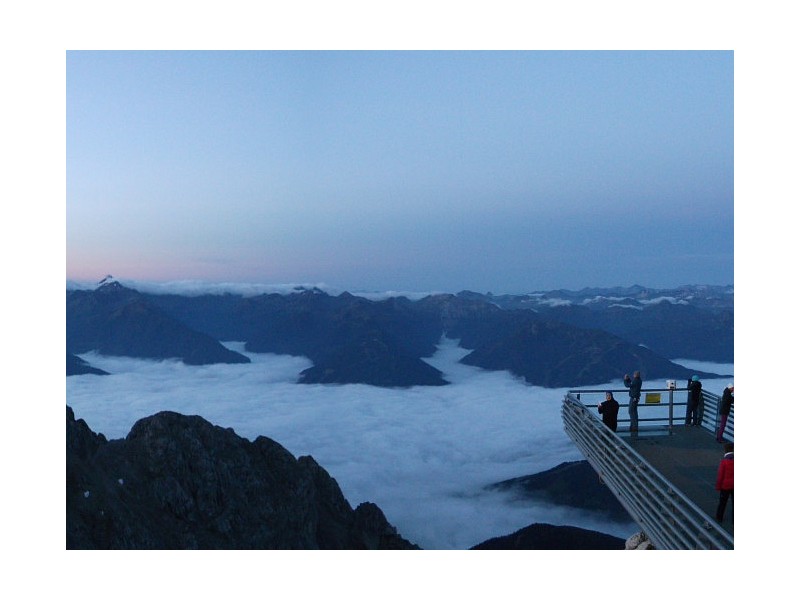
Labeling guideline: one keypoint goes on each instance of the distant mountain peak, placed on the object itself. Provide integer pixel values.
(108, 283)
(308, 291)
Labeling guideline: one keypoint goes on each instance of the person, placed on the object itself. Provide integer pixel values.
(634, 393)
(693, 416)
(609, 408)
(725, 481)
(724, 410)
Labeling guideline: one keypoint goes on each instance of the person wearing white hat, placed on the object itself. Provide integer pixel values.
(724, 410)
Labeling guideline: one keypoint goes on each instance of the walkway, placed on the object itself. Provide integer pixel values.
(689, 459)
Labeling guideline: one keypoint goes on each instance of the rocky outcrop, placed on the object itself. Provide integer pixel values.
(573, 484)
(542, 536)
(179, 482)
(639, 541)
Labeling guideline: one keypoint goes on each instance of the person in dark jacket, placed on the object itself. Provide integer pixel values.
(609, 408)
(693, 410)
(725, 481)
(634, 393)
(724, 410)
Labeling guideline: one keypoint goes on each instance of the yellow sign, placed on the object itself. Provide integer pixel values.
(652, 398)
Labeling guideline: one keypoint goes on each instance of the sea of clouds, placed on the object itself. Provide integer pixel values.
(423, 454)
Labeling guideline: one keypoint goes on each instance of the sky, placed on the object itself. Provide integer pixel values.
(502, 171)
(424, 454)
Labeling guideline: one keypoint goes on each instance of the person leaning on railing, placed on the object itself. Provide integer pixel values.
(693, 409)
(724, 410)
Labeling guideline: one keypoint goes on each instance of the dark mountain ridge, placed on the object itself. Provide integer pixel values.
(690, 322)
(115, 320)
(706, 297)
(573, 484)
(179, 482)
(354, 340)
(542, 536)
(545, 352)
(77, 366)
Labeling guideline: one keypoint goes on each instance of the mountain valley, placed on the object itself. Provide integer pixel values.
(553, 342)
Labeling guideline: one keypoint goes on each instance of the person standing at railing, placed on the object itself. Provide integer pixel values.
(609, 408)
(724, 410)
(725, 481)
(634, 393)
(695, 386)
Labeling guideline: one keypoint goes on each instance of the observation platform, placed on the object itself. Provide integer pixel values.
(689, 459)
(665, 474)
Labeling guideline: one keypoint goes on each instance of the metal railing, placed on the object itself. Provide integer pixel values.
(709, 415)
(665, 514)
(668, 412)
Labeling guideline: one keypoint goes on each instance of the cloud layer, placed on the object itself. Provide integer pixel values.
(422, 454)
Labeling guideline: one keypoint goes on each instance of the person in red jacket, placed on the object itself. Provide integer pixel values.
(725, 481)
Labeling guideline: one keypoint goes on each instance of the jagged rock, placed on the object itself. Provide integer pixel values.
(639, 541)
(646, 545)
(372, 530)
(179, 482)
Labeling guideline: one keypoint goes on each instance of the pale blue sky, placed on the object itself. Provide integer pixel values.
(491, 171)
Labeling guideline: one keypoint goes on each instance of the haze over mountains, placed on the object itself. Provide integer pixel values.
(552, 339)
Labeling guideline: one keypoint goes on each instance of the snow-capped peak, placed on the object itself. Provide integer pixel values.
(108, 284)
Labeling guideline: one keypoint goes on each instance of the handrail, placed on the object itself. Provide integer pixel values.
(709, 409)
(670, 519)
(710, 416)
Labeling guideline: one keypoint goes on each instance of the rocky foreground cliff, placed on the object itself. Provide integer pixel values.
(179, 482)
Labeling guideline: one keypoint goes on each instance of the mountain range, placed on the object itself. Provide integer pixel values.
(556, 339)
(694, 322)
